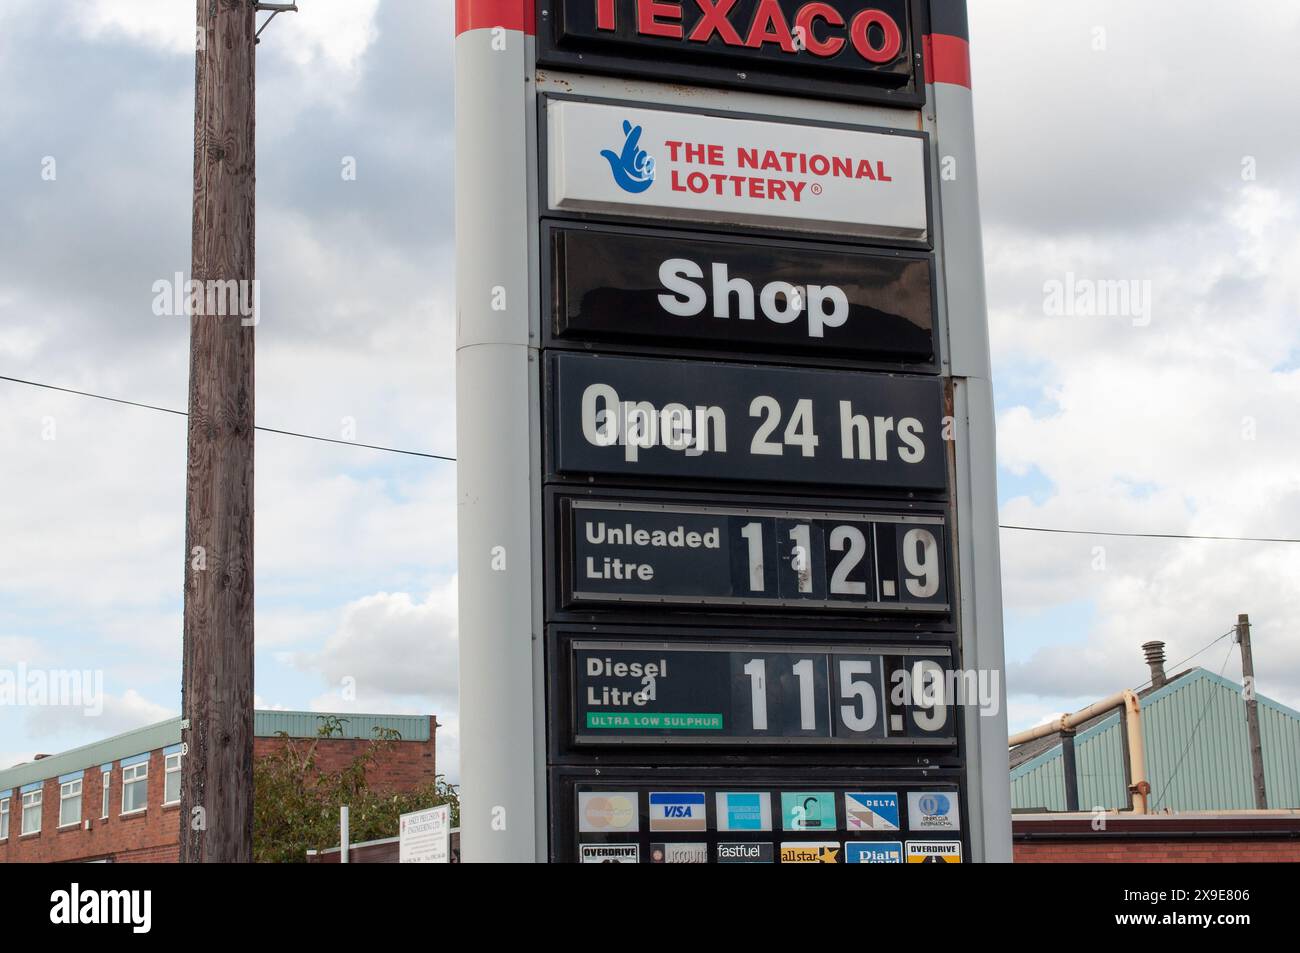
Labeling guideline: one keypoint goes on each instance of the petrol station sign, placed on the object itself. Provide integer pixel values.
(727, 522)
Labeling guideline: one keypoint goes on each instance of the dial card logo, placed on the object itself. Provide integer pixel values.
(873, 852)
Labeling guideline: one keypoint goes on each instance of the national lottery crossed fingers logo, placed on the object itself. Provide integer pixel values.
(632, 167)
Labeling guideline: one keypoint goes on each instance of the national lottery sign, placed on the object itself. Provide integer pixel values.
(693, 167)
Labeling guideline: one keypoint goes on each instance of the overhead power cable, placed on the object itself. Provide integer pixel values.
(1190, 657)
(181, 413)
(450, 459)
(1102, 532)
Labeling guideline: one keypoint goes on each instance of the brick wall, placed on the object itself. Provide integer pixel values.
(410, 764)
(153, 835)
(1158, 852)
(1231, 837)
(120, 837)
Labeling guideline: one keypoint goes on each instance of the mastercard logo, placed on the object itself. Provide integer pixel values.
(609, 812)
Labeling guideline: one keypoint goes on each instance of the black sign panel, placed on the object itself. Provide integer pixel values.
(666, 288)
(645, 553)
(842, 49)
(702, 420)
(709, 693)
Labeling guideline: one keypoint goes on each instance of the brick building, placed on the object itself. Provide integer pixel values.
(119, 799)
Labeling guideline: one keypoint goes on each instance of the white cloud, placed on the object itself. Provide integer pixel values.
(120, 713)
(330, 36)
(389, 647)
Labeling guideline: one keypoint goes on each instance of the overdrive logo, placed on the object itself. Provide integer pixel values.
(632, 167)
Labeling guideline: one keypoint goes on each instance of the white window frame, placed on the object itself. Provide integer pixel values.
(4, 818)
(168, 770)
(65, 795)
(33, 799)
(107, 778)
(135, 774)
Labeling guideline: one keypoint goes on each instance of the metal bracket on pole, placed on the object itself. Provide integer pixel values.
(275, 9)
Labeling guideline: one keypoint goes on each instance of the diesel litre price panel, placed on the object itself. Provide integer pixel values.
(758, 693)
(648, 553)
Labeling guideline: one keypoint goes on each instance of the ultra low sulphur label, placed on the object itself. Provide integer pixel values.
(661, 164)
(642, 721)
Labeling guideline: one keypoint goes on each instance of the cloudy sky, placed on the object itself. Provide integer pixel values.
(1117, 142)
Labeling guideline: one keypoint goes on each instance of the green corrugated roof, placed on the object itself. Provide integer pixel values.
(304, 724)
(1215, 759)
(125, 745)
(297, 724)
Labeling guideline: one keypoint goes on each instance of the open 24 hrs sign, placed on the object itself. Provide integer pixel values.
(629, 416)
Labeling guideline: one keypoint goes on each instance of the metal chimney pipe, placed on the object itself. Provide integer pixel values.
(1155, 656)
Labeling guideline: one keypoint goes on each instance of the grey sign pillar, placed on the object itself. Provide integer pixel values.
(960, 252)
(496, 407)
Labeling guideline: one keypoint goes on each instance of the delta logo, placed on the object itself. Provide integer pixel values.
(678, 811)
(871, 811)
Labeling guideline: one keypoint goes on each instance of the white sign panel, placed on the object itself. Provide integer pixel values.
(425, 836)
(632, 160)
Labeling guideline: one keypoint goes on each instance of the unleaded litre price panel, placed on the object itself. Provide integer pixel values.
(685, 692)
(631, 552)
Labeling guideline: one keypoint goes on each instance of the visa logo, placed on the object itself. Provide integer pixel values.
(678, 810)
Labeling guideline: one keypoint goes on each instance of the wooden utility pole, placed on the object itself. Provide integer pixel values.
(217, 693)
(1252, 712)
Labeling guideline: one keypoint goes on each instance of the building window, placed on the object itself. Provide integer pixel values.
(70, 803)
(107, 776)
(32, 812)
(4, 818)
(135, 787)
(172, 779)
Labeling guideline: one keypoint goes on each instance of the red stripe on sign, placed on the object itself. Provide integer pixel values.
(485, 14)
(946, 58)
